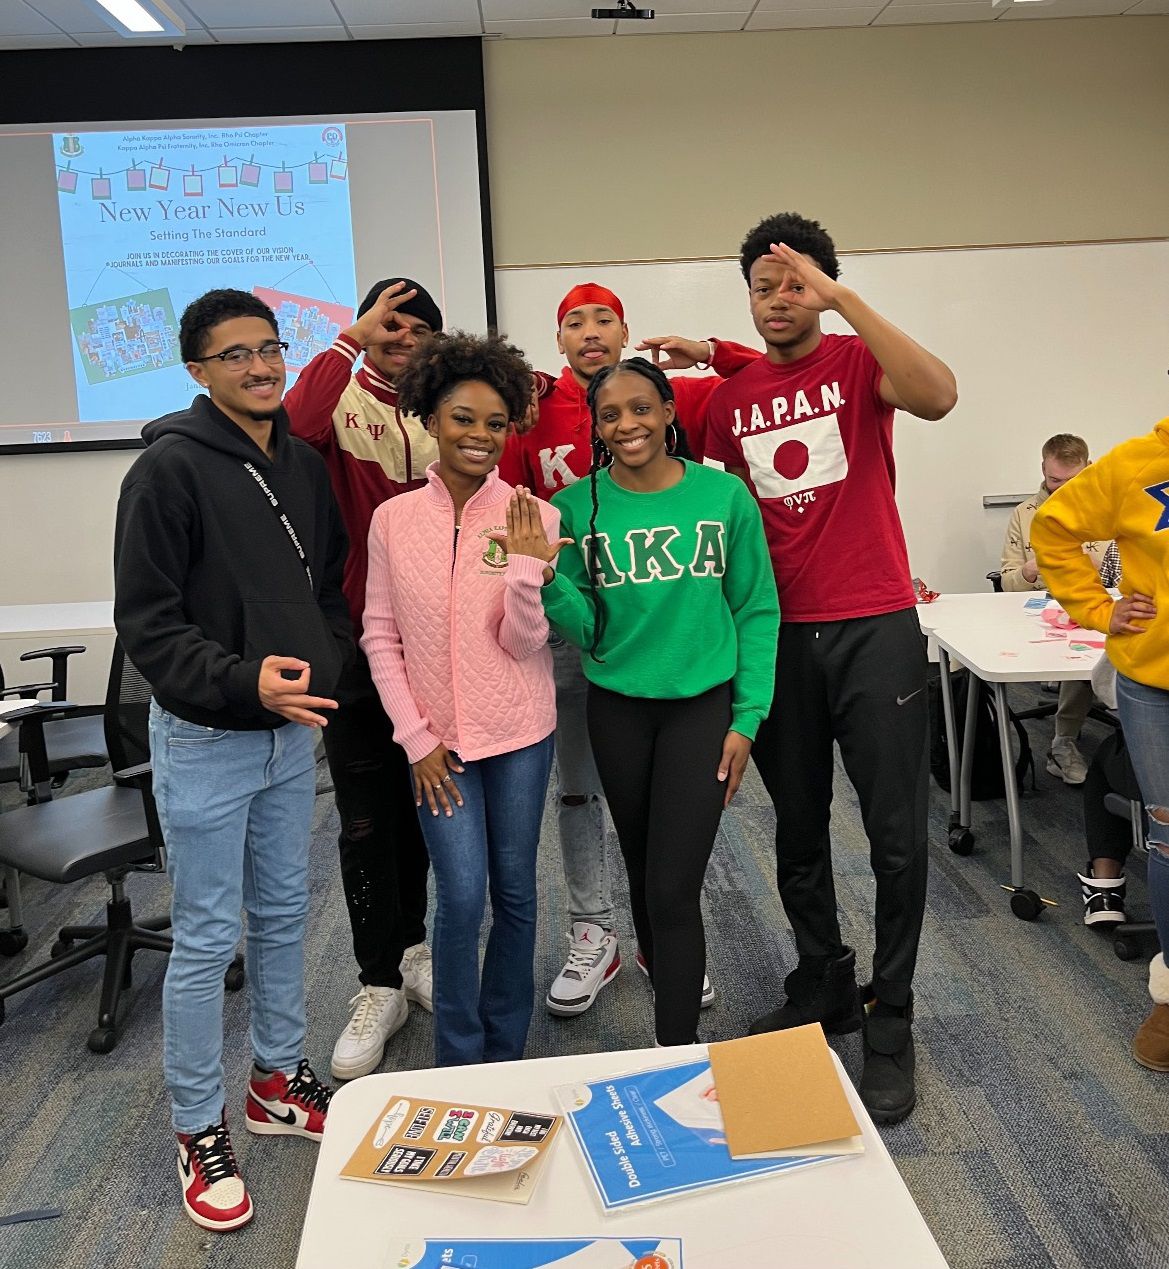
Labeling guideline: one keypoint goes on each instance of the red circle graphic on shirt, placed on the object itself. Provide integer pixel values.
(791, 459)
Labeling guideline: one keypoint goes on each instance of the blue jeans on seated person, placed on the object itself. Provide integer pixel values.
(1144, 716)
(488, 843)
(236, 812)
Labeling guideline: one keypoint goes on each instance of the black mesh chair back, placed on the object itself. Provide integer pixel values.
(127, 713)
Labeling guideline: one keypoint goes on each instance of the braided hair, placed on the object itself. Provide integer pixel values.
(602, 458)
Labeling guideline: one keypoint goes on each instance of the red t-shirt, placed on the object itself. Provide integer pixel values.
(558, 450)
(817, 442)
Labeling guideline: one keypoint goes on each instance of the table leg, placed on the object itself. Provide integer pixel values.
(1025, 904)
(968, 730)
(959, 838)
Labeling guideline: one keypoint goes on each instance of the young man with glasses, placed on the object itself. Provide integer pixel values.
(228, 557)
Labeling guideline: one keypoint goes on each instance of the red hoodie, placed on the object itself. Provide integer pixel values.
(372, 450)
(557, 451)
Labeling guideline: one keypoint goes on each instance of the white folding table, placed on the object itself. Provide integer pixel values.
(1000, 641)
(852, 1213)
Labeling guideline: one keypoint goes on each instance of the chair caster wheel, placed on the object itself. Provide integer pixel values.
(233, 980)
(1026, 905)
(961, 840)
(59, 948)
(102, 1040)
(12, 942)
(1126, 949)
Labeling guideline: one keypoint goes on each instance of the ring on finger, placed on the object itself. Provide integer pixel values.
(446, 779)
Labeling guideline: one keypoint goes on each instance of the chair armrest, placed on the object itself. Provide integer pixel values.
(40, 713)
(60, 659)
(137, 777)
(26, 689)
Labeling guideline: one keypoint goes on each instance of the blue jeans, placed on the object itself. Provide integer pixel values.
(581, 823)
(236, 810)
(1144, 716)
(489, 842)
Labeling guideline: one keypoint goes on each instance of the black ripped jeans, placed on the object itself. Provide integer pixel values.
(383, 856)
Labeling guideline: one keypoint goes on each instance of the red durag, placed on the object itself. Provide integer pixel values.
(589, 293)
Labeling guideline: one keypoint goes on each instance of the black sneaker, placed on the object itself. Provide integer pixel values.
(886, 1086)
(1103, 899)
(820, 989)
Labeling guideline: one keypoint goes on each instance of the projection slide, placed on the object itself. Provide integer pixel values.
(150, 220)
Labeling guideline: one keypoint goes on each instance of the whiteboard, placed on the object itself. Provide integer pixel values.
(1042, 340)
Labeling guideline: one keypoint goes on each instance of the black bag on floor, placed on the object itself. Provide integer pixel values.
(986, 780)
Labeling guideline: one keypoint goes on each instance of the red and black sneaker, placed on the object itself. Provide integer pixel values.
(213, 1189)
(290, 1107)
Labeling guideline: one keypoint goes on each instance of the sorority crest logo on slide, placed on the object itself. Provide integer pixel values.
(790, 460)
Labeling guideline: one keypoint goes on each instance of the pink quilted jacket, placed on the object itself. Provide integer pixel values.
(455, 631)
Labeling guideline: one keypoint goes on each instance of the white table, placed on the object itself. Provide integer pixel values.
(999, 641)
(851, 1214)
(28, 627)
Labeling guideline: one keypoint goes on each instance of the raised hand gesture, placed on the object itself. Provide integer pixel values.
(804, 284)
(525, 530)
(380, 323)
(674, 352)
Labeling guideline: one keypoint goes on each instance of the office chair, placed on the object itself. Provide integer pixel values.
(71, 744)
(112, 830)
(1133, 938)
(996, 580)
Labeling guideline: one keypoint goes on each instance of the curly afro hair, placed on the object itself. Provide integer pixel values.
(443, 361)
(806, 237)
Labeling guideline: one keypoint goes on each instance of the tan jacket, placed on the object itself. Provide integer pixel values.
(1017, 548)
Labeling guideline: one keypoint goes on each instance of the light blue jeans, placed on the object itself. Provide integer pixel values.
(1144, 716)
(581, 823)
(236, 811)
(487, 843)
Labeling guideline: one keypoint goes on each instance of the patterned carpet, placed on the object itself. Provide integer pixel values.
(1037, 1140)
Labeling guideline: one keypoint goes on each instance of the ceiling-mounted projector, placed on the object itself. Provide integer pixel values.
(623, 10)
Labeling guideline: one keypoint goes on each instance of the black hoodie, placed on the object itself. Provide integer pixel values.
(207, 581)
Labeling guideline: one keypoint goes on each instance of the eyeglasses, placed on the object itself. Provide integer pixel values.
(272, 353)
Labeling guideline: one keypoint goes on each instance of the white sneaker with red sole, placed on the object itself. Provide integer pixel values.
(213, 1189)
(280, 1106)
(593, 961)
(708, 993)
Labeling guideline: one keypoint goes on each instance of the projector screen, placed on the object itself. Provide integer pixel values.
(112, 229)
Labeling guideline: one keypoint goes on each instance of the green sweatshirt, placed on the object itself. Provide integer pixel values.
(687, 587)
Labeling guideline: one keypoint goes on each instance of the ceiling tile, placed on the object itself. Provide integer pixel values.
(902, 14)
(36, 41)
(806, 18)
(71, 15)
(1066, 9)
(262, 14)
(279, 34)
(536, 30)
(1148, 6)
(539, 10)
(417, 30)
(16, 18)
(670, 24)
(386, 13)
(665, 8)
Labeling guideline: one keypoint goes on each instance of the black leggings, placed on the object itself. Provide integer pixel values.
(658, 763)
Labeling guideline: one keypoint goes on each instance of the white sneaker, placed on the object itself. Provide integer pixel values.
(377, 1013)
(1066, 761)
(418, 976)
(709, 995)
(593, 961)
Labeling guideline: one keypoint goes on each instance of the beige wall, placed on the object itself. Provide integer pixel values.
(670, 147)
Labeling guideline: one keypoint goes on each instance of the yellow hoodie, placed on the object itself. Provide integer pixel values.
(1124, 495)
